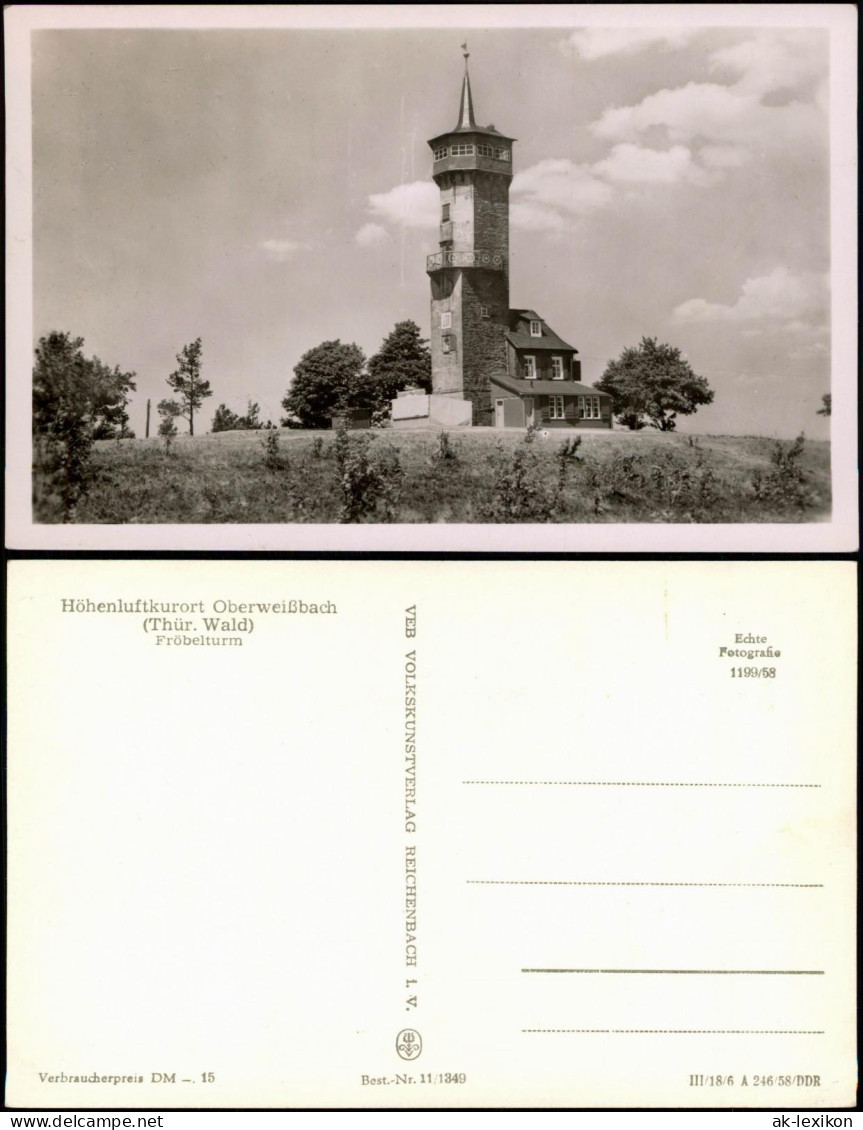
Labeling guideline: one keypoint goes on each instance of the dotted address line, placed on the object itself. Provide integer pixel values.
(659, 784)
(688, 1031)
(621, 883)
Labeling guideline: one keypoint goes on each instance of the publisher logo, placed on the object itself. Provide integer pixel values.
(409, 1043)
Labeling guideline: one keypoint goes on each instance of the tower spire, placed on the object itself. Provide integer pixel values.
(465, 110)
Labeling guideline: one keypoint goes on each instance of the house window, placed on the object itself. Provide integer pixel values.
(485, 311)
(439, 154)
(555, 404)
(588, 408)
(557, 368)
(535, 329)
(447, 343)
(530, 367)
(444, 213)
(446, 320)
(462, 150)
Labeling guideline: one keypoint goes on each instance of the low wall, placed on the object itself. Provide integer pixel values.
(423, 410)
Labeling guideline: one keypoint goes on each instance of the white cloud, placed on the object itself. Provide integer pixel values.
(637, 164)
(527, 215)
(546, 196)
(797, 300)
(773, 102)
(771, 61)
(698, 133)
(602, 42)
(552, 190)
(370, 234)
(414, 205)
(282, 249)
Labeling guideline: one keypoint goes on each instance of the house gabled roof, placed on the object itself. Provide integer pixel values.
(545, 388)
(519, 333)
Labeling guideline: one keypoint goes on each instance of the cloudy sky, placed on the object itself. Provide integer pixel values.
(267, 190)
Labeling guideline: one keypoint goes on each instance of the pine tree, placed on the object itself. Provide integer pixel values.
(187, 381)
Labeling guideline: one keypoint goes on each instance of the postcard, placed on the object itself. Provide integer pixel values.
(517, 278)
(431, 834)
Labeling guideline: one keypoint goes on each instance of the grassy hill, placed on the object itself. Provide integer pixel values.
(482, 475)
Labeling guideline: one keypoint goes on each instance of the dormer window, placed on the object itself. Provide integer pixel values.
(535, 328)
(444, 213)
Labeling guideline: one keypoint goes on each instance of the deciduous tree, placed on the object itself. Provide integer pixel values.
(327, 379)
(225, 420)
(652, 384)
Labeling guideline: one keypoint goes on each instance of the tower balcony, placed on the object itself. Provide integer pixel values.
(442, 260)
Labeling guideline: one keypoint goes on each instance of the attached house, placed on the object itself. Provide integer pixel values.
(542, 383)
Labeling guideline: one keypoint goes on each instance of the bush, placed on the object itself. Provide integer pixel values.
(445, 448)
(273, 458)
(566, 457)
(518, 492)
(784, 484)
(169, 410)
(369, 487)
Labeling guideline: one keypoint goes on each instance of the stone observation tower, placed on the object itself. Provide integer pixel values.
(490, 365)
(470, 273)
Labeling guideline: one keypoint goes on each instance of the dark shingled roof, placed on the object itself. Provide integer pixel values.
(545, 388)
(521, 337)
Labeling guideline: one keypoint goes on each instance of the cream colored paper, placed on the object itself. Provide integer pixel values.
(212, 845)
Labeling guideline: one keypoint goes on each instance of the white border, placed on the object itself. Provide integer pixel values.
(840, 534)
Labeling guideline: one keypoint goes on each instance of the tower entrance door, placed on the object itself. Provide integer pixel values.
(528, 411)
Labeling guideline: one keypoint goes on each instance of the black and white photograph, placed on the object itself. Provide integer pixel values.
(426, 278)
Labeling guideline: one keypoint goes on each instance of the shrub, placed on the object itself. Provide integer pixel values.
(366, 484)
(273, 458)
(445, 448)
(518, 493)
(784, 484)
(169, 410)
(566, 457)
